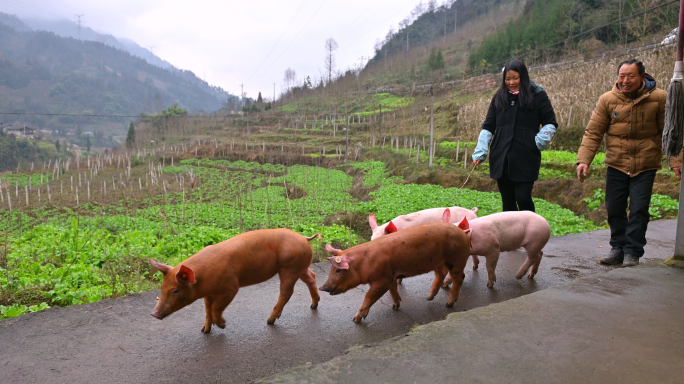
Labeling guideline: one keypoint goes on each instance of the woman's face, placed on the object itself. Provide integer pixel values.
(513, 81)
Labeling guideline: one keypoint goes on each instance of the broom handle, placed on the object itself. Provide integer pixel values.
(680, 40)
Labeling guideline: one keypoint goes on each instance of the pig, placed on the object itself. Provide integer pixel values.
(438, 247)
(432, 215)
(218, 271)
(508, 231)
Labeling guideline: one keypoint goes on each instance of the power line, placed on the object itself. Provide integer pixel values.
(279, 38)
(80, 115)
(297, 35)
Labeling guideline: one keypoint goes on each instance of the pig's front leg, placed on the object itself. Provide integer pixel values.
(396, 298)
(457, 276)
(476, 262)
(374, 294)
(218, 305)
(440, 274)
(492, 260)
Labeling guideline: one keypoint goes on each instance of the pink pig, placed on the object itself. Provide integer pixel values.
(508, 231)
(431, 215)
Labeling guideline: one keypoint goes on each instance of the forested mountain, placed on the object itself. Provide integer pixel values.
(429, 21)
(41, 72)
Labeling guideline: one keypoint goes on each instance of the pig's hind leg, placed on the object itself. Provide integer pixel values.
(396, 298)
(533, 260)
(287, 283)
(309, 278)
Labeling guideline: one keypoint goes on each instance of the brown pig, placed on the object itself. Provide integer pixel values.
(218, 271)
(410, 252)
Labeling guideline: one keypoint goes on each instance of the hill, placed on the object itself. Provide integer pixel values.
(41, 72)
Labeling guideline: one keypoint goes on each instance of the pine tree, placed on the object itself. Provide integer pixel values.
(87, 143)
(57, 145)
(130, 139)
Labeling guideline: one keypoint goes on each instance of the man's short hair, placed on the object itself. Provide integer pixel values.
(639, 64)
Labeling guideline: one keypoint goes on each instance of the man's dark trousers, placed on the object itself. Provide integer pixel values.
(628, 234)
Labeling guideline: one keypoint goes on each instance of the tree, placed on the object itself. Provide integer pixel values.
(87, 143)
(57, 145)
(259, 99)
(130, 138)
(289, 78)
(330, 46)
(436, 60)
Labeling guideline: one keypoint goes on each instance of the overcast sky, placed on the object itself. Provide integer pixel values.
(235, 42)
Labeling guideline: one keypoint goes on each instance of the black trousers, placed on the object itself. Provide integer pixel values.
(628, 233)
(515, 196)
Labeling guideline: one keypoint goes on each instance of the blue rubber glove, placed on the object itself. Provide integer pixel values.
(482, 148)
(544, 137)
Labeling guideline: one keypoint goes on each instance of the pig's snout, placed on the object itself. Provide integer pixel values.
(158, 315)
(328, 288)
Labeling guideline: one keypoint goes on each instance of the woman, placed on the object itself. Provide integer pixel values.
(519, 107)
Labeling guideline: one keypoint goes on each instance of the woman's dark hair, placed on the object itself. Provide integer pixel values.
(526, 95)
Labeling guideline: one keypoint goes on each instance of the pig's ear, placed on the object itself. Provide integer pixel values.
(469, 235)
(390, 228)
(464, 224)
(163, 268)
(332, 250)
(185, 275)
(373, 223)
(446, 216)
(340, 262)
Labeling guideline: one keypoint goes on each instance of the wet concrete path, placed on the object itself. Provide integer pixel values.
(116, 340)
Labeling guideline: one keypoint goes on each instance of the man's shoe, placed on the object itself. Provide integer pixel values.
(616, 256)
(630, 261)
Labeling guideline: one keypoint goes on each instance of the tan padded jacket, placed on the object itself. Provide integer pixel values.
(633, 130)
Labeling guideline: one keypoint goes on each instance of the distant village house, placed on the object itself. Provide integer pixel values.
(19, 131)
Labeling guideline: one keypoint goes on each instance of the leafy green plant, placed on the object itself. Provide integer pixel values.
(595, 200)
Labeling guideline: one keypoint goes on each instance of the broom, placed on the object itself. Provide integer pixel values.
(674, 126)
(673, 133)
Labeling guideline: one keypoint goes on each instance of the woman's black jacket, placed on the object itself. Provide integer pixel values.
(513, 133)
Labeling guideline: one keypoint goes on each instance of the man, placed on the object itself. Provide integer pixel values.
(631, 117)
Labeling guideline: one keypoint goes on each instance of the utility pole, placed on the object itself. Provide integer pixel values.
(455, 17)
(242, 95)
(274, 110)
(407, 46)
(362, 58)
(78, 25)
(151, 48)
(431, 150)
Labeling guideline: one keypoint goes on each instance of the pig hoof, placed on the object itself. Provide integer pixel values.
(430, 297)
(449, 305)
(206, 329)
(314, 305)
(271, 320)
(357, 319)
(519, 276)
(490, 284)
(445, 285)
(395, 306)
